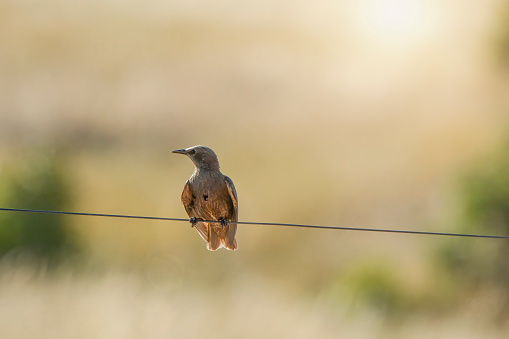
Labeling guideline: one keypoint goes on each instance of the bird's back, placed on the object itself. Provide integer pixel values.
(210, 195)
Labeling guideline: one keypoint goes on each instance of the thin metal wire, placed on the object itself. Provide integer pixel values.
(92, 214)
(261, 223)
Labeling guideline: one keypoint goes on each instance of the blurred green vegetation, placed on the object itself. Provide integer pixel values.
(36, 181)
(484, 209)
(461, 269)
(503, 41)
(376, 286)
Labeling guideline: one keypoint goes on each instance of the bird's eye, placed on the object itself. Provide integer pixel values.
(192, 151)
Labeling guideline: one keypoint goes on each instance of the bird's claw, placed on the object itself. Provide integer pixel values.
(224, 222)
(193, 221)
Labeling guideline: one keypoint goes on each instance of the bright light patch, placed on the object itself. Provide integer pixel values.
(394, 19)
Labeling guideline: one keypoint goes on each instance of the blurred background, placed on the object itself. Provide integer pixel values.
(370, 113)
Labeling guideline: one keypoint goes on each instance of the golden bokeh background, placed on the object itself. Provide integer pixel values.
(346, 113)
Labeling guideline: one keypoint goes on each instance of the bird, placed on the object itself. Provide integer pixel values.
(210, 195)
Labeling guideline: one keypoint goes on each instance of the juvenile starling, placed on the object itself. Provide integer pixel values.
(210, 195)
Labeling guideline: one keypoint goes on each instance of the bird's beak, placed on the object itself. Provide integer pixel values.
(179, 151)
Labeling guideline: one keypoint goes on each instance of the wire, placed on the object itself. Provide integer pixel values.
(260, 223)
(92, 214)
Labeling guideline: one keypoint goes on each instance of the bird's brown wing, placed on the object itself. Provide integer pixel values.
(233, 195)
(234, 214)
(188, 202)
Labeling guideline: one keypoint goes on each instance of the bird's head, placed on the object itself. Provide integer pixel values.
(202, 157)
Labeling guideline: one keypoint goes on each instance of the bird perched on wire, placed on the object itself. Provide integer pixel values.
(210, 195)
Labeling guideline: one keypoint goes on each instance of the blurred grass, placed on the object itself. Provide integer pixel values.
(36, 181)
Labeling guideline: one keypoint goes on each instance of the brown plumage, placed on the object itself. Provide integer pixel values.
(210, 195)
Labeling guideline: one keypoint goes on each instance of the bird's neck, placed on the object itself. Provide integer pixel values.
(207, 167)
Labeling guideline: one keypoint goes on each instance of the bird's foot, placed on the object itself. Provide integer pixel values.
(193, 221)
(224, 222)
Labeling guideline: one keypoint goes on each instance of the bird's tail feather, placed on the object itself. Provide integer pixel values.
(214, 242)
(203, 230)
(228, 241)
(218, 237)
